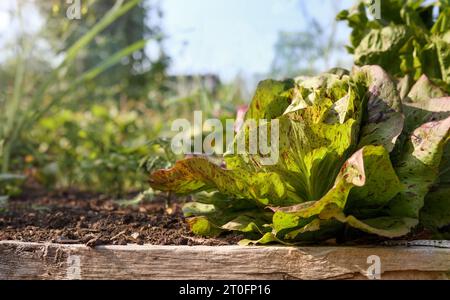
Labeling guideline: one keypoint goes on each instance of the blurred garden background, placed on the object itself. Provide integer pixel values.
(86, 100)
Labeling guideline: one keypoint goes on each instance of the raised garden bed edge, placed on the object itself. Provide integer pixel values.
(415, 260)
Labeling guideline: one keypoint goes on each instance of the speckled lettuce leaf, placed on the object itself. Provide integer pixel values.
(384, 120)
(202, 226)
(267, 238)
(311, 153)
(435, 214)
(198, 174)
(213, 213)
(418, 168)
(424, 111)
(271, 99)
(388, 226)
(381, 46)
(210, 220)
(381, 185)
(408, 39)
(423, 90)
(366, 180)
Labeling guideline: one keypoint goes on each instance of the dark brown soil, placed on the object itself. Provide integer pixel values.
(74, 218)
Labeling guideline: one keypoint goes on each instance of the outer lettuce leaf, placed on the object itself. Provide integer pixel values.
(381, 184)
(390, 227)
(382, 47)
(267, 238)
(202, 226)
(198, 174)
(425, 111)
(436, 212)
(209, 221)
(353, 179)
(214, 213)
(384, 122)
(423, 90)
(418, 168)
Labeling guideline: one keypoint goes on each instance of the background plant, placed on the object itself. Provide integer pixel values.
(48, 91)
(412, 38)
(98, 149)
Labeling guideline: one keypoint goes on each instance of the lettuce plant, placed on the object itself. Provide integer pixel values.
(353, 153)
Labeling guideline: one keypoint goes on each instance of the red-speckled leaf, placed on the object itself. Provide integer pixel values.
(418, 168)
(384, 122)
(198, 174)
(352, 183)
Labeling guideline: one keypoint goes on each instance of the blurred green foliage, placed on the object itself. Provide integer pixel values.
(43, 85)
(86, 101)
(412, 38)
(98, 149)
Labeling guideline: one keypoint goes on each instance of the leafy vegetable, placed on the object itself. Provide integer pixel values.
(407, 40)
(350, 154)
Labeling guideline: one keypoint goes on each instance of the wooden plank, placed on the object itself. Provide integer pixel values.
(53, 261)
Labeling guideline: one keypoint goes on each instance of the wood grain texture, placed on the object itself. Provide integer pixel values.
(52, 261)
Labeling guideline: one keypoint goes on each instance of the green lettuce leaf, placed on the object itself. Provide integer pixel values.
(382, 47)
(358, 186)
(406, 41)
(389, 227)
(423, 90)
(418, 168)
(384, 120)
(198, 174)
(270, 100)
(436, 213)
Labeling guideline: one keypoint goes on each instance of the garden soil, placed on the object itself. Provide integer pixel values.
(80, 218)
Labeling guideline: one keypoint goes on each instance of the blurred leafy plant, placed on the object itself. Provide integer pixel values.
(9, 186)
(32, 97)
(412, 38)
(99, 149)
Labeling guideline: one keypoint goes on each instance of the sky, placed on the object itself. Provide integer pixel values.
(223, 37)
(230, 37)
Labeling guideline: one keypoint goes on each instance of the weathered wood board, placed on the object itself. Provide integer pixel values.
(53, 261)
